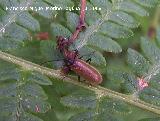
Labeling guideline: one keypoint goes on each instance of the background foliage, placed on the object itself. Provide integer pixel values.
(27, 95)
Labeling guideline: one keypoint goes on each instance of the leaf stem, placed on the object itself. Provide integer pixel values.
(100, 91)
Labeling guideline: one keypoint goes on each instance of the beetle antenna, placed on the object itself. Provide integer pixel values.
(51, 61)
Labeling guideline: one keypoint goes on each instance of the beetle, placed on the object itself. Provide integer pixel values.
(79, 66)
(71, 58)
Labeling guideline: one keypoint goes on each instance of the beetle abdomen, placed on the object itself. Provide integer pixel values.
(88, 72)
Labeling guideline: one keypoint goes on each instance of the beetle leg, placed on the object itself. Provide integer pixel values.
(89, 54)
(80, 57)
(79, 78)
(65, 70)
(88, 60)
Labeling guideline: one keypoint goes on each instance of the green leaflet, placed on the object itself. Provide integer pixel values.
(114, 106)
(8, 3)
(148, 3)
(39, 78)
(138, 63)
(123, 79)
(150, 119)
(105, 5)
(84, 116)
(103, 111)
(115, 74)
(62, 3)
(33, 98)
(59, 30)
(124, 19)
(8, 90)
(92, 116)
(130, 83)
(84, 101)
(150, 95)
(2, 13)
(104, 43)
(47, 49)
(155, 82)
(29, 117)
(91, 15)
(34, 104)
(115, 77)
(27, 21)
(72, 20)
(109, 117)
(23, 117)
(158, 36)
(46, 12)
(9, 73)
(8, 43)
(151, 51)
(8, 105)
(115, 31)
(33, 90)
(132, 7)
(16, 32)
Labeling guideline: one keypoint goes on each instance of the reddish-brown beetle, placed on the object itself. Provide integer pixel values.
(71, 58)
(80, 67)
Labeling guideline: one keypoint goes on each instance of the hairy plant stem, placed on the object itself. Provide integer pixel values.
(81, 23)
(100, 91)
(82, 12)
